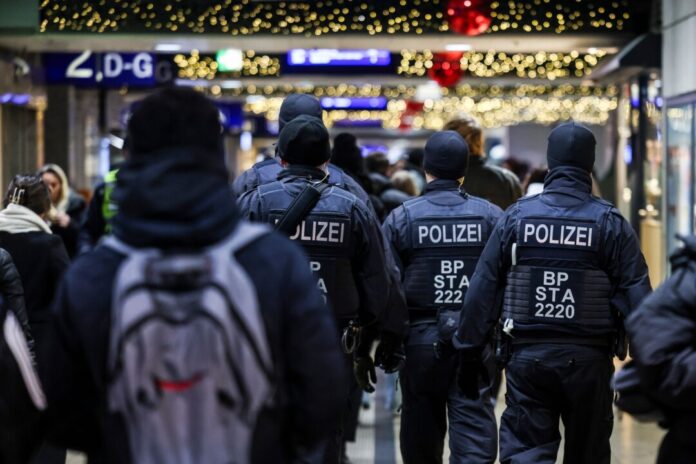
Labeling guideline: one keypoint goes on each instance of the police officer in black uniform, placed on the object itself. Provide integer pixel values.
(267, 170)
(344, 244)
(437, 239)
(566, 268)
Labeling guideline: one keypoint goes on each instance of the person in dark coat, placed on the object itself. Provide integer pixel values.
(176, 142)
(497, 185)
(559, 272)
(40, 259)
(437, 259)
(67, 207)
(663, 336)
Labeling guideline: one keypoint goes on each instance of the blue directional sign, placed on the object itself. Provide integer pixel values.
(354, 103)
(334, 57)
(111, 69)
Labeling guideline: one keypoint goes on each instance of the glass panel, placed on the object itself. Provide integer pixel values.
(679, 172)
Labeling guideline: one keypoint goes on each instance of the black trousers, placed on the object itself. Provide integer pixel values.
(336, 444)
(548, 383)
(432, 401)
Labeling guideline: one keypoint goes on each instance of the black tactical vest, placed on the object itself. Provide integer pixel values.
(326, 234)
(557, 283)
(445, 242)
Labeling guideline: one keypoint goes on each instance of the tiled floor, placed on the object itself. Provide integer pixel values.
(632, 442)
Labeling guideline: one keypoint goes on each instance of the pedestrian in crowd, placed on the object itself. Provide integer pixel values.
(402, 187)
(414, 165)
(534, 182)
(346, 154)
(497, 185)
(518, 167)
(663, 336)
(345, 245)
(67, 207)
(566, 268)
(100, 212)
(41, 260)
(437, 239)
(175, 204)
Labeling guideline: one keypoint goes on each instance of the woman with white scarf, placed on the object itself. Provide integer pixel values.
(40, 259)
(67, 207)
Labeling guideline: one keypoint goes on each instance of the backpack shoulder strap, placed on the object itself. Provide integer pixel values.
(300, 207)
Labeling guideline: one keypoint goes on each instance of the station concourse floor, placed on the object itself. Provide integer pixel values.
(377, 440)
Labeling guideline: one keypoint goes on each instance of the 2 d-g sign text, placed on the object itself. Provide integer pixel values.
(110, 69)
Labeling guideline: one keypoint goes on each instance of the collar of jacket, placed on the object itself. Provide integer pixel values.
(439, 185)
(301, 171)
(568, 180)
(476, 161)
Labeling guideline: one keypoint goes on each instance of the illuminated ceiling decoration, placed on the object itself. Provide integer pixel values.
(543, 65)
(490, 64)
(196, 66)
(322, 17)
(494, 106)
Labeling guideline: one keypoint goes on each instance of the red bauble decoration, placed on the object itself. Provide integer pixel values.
(446, 69)
(469, 17)
(413, 109)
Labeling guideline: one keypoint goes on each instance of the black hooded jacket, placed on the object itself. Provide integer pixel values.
(177, 200)
(663, 335)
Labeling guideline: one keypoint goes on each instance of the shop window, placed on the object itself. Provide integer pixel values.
(680, 136)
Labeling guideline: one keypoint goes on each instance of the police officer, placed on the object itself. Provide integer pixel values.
(343, 241)
(566, 267)
(437, 239)
(267, 170)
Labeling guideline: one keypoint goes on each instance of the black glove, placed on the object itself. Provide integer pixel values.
(390, 355)
(444, 349)
(471, 373)
(365, 375)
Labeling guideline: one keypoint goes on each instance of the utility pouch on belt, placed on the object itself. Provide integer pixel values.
(621, 340)
(503, 348)
(447, 323)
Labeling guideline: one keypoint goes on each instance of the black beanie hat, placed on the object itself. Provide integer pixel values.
(446, 155)
(175, 117)
(304, 140)
(571, 144)
(297, 104)
(346, 153)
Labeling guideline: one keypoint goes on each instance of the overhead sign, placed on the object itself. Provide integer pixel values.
(335, 57)
(354, 103)
(111, 69)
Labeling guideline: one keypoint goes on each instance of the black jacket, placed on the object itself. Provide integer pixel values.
(155, 210)
(12, 292)
(663, 335)
(41, 260)
(565, 189)
(495, 184)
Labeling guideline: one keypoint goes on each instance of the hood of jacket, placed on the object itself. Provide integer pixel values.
(566, 186)
(62, 205)
(17, 219)
(175, 198)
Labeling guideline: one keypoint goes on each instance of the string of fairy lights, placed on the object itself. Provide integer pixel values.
(322, 17)
(493, 106)
(542, 65)
(488, 64)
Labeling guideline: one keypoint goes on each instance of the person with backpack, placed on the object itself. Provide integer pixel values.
(663, 336)
(190, 335)
(345, 246)
(438, 239)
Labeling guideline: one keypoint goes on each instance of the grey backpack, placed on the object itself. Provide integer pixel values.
(189, 360)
